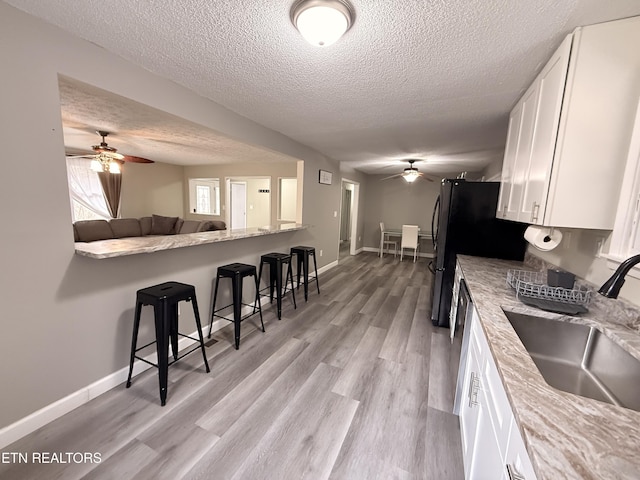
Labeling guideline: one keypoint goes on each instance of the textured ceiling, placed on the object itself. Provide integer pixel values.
(427, 79)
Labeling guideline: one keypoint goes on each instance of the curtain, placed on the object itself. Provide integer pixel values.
(111, 187)
(85, 187)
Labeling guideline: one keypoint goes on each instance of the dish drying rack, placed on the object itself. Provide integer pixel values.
(534, 285)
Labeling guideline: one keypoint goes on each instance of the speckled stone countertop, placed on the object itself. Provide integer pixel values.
(567, 436)
(135, 245)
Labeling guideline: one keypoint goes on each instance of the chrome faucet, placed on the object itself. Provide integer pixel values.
(612, 287)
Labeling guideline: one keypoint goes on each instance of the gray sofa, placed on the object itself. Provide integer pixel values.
(94, 230)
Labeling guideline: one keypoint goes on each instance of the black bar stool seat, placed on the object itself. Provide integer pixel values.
(164, 298)
(276, 262)
(236, 272)
(303, 254)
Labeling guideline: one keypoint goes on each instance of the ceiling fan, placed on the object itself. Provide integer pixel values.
(410, 174)
(107, 158)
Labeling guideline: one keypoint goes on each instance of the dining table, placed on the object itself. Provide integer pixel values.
(397, 233)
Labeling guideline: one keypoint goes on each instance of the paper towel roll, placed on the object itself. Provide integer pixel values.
(543, 238)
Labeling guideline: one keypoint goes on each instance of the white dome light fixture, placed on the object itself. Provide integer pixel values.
(322, 22)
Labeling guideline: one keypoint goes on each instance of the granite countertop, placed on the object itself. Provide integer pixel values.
(135, 245)
(567, 436)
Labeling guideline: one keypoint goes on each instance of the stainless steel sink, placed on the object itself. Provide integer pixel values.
(579, 359)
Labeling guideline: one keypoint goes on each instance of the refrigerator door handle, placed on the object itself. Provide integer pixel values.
(434, 227)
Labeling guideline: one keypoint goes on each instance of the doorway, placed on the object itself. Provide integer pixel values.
(348, 241)
(238, 205)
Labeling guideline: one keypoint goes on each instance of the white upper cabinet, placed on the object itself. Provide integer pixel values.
(564, 160)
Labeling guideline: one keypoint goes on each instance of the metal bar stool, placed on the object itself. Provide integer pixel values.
(164, 298)
(276, 263)
(236, 272)
(303, 254)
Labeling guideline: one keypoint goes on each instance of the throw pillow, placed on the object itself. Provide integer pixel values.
(163, 225)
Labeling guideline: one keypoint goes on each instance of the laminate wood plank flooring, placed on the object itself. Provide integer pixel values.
(354, 384)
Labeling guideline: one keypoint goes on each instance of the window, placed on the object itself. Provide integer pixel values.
(204, 196)
(625, 241)
(85, 191)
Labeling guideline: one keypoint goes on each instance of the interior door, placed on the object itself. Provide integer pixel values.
(238, 205)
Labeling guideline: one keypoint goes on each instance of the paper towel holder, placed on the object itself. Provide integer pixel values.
(548, 240)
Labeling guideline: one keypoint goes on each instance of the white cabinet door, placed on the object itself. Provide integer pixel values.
(516, 458)
(508, 205)
(470, 409)
(486, 419)
(523, 155)
(550, 89)
(565, 169)
(487, 460)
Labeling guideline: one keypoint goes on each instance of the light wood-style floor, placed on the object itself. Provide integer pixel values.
(354, 384)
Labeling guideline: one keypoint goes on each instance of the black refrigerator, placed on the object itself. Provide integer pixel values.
(464, 222)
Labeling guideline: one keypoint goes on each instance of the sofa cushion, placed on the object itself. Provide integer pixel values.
(125, 227)
(190, 226)
(145, 226)
(163, 225)
(92, 230)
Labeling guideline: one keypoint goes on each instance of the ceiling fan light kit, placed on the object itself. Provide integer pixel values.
(107, 158)
(104, 163)
(410, 174)
(322, 22)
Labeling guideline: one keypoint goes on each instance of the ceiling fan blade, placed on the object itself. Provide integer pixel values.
(134, 159)
(392, 176)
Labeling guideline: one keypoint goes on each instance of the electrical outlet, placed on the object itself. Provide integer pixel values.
(320, 252)
(335, 214)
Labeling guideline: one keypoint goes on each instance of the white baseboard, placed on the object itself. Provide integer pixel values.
(377, 250)
(51, 412)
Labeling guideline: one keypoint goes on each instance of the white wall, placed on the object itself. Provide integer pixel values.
(66, 319)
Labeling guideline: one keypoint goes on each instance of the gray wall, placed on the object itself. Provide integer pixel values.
(66, 319)
(395, 203)
(272, 170)
(152, 188)
(579, 255)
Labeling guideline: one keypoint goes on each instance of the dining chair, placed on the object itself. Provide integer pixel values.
(409, 240)
(384, 241)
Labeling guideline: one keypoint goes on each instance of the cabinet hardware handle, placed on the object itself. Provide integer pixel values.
(504, 211)
(513, 473)
(474, 386)
(535, 210)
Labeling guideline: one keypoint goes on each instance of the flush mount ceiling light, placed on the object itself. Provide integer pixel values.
(322, 22)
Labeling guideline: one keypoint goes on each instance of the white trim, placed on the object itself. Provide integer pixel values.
(51, 412)
(377, 250)
(624, 229)
(614, 261)
(39, 418)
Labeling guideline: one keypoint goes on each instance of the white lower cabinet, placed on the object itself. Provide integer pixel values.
(492, 446)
